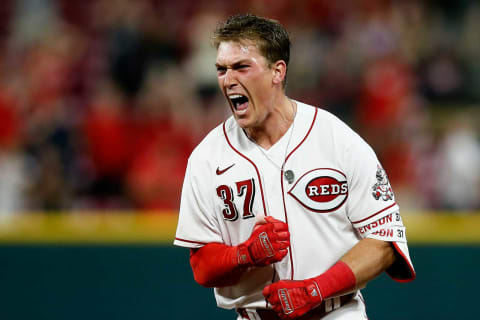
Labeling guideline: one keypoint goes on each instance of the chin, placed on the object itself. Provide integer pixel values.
(242, 123)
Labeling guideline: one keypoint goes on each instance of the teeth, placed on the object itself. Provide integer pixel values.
(237, 100)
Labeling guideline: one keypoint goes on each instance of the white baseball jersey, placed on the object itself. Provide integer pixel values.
(336, 194)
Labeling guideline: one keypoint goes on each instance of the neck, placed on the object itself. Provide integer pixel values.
(275, 124)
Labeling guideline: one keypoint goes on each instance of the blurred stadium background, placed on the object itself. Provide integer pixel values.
(101, 102)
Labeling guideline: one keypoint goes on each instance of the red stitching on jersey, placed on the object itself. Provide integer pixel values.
(375, 214)
(190, 241)
(283, 191)
(304, 138)
(253, 164)
(286, 221)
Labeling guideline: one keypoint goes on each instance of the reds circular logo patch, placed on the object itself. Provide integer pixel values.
(321, 190)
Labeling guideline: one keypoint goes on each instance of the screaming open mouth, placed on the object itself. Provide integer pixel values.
(239, 103)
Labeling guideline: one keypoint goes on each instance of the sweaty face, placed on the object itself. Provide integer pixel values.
(246, 81)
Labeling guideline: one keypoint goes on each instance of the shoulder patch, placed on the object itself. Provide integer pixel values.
(382, 189)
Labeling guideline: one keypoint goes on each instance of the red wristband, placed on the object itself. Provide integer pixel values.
(337, 279)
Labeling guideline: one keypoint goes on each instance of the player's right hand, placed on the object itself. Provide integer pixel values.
(291, 299)
(267, 244)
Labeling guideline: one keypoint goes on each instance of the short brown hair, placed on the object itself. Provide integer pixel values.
(270, 36)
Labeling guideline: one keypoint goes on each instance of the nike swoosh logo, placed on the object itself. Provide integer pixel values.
(219, 172)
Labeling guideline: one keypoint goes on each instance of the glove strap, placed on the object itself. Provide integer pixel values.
(243, 256)
(313, 291)
(261, 248)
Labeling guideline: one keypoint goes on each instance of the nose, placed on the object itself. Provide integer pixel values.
(229, 79)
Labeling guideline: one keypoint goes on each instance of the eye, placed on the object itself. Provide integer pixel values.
(221, 70)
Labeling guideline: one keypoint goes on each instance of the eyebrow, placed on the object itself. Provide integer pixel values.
(236, 64)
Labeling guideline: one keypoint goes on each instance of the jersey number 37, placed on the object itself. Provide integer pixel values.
(245, 189)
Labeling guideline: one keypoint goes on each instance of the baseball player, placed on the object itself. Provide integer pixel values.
(277, 204)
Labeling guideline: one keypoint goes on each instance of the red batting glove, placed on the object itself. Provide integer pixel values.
(268, 243)
(291, 299)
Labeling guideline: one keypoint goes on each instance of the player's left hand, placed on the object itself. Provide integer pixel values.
(293, 298)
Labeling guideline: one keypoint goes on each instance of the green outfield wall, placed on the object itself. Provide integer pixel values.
(138, 274)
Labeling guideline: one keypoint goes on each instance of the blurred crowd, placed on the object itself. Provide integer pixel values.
(102, 101)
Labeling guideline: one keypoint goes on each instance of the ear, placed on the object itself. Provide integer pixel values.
(279, 70)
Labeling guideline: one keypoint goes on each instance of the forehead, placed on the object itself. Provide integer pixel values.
(229, 52)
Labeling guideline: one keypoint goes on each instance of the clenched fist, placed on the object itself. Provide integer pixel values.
(291, 299)
(268, 243)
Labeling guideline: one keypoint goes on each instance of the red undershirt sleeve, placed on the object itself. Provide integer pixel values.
(215, 265)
